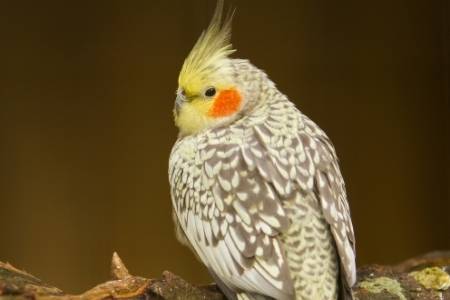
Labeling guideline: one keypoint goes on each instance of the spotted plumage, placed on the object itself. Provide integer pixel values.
(258, 194)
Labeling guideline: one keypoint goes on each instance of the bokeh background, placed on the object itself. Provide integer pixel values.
(86, 93)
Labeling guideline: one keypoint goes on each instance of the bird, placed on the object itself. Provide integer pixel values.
(256, 188)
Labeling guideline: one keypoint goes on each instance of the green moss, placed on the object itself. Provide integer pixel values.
(432, 278)
(380, 284)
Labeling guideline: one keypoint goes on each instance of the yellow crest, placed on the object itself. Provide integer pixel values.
(209, 52)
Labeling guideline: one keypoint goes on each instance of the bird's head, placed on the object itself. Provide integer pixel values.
(208, 93)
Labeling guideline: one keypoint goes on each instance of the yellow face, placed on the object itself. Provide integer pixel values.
(200, 108)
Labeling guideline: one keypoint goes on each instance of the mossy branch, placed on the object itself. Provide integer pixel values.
(425, 278)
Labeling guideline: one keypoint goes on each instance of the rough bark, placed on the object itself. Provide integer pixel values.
(425, 277)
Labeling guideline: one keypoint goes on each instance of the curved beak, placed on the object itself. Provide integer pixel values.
(180, 100)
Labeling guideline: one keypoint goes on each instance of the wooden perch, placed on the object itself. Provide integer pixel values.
(426, 277)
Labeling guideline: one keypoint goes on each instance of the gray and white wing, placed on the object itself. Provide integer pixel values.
(227, 204)
(330, 190)
(300, 156)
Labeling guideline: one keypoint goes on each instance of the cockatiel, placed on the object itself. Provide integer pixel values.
(256, 188)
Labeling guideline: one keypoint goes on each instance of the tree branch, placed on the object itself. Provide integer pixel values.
(425, 278)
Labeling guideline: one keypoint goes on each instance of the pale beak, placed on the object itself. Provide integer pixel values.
(181, 99)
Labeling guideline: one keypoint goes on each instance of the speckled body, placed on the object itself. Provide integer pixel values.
(262, 202)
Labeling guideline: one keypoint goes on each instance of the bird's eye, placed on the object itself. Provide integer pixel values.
(210, 92)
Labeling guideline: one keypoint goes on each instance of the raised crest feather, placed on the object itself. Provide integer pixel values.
(210, 50)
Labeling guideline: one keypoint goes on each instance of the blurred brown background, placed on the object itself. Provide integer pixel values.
(87, 89)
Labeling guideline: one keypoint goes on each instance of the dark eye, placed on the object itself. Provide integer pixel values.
(210, 92)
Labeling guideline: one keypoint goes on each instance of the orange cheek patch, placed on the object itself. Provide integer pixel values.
(225, 104)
